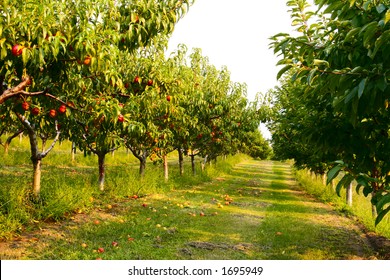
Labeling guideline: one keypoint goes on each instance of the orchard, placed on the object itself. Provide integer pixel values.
(139, 151)
(95, 73)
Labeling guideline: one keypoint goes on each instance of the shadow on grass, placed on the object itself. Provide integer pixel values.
(273, 224)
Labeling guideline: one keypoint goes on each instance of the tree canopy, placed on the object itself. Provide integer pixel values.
(338, 61)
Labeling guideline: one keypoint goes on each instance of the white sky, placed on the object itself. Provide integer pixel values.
(236, 33)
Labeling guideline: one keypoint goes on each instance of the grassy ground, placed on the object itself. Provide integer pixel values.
(254, 211)
(360, 209)
(71, 186)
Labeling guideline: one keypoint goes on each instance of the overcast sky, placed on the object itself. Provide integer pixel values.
(236, 33)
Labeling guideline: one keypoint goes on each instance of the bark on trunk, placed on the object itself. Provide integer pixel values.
(349, 195)
(193, 164)
(141, 155)
(6, 148)
(102, 171)
(37, 177)
(324, 179)
(142, 166)
(36, 156)
(181, 161)
(73, 151)
(166, 174)
(44, 140)
(203, 164)
(373, 208)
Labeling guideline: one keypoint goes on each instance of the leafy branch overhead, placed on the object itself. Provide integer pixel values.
(337, 65)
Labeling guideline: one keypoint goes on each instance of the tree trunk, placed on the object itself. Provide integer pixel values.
(36, 156)
(142, 166)
(181, 161)
(324, 177)
(166, 174)
(102, 171)
(334, 184)
(44, 140)
(349, 195)
(193, 164)
(203, 164)
(6, 148)
(37, 177)
(73, 151)
(373, 208)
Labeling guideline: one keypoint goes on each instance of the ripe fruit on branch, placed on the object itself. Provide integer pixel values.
(136, 79)
(62, 109)
(35, 111)
(17, 50)
(25, 106)
(70, 104)
(52, 113)
(134, 18)
(121, 118)
(150, 82)
(168, 98)
(87, 60)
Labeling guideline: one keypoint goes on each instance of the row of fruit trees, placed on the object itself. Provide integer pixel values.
(94, 72)
(331, 110)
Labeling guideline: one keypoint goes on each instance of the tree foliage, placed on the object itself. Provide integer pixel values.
(340, 58)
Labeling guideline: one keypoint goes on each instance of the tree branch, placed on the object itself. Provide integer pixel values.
(19, 90)
(44, 154)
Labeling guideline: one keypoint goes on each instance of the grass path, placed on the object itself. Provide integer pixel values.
(255, 212)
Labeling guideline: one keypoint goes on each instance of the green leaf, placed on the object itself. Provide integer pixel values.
(362, 86)
(333, 173)
(380, 8)
(369, 31)
(351, 34)
(311, 76)
(387, 16)
(383, 201)
(381, 83)
(282, 71)
(344, 182)
(383, 39)
(367, 190)
(361, 182)
(351, 95)
(381, 215)
(319, 62)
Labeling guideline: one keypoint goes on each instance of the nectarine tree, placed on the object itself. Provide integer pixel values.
(59, 50)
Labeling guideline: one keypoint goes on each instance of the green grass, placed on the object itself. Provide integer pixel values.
(361, 206)
(184, 218)
(71, 186)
